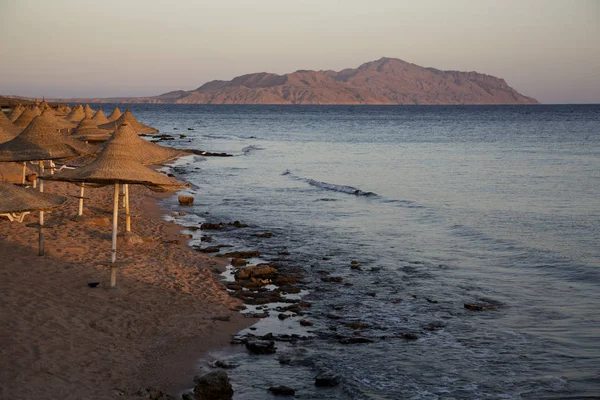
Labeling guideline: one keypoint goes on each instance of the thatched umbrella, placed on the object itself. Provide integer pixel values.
(36, 110)
(16, 202)
(63, 124)
(43, 105)
(67, 109)
(5, 136)
(144, 152)
(87, 111)
(16, 112)
(25, 118)
(40, 141)
(131, 120)
(99, 118)
(9, 129)
(140, 150)
(114, 166)
(76, 114)
(87, 130)
(115, 114)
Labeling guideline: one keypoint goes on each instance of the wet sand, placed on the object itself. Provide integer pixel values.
(63, 339)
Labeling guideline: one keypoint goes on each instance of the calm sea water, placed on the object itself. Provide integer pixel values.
(441, 206)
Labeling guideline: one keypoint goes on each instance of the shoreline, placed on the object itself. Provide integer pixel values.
(63, 339)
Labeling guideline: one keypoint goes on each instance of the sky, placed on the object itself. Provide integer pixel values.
(547, 49)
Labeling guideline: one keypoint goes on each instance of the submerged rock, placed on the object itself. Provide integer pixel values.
(213, 386)
(211, 249)
(261, 347)
(336, 279)
(282, 390)
(256, 271)
(475, 307)
(327, 379)
(356, 340)
(206, 226)
(238, 224)
(264, 235)
(240, 254)
(238, 262)
(410, 336)
(223, 364)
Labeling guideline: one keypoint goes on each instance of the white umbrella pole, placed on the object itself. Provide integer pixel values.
(41, 234)
(123, 194)
(80, 211)
(113, 259)
(24, 173)
(41, 172)
(127, 216)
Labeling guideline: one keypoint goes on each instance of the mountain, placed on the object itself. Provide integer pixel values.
(385, 81)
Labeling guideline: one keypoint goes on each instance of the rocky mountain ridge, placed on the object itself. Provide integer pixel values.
(384, 81)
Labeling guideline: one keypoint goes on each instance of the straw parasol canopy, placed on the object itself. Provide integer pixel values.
(5, 136)
(8, 128)
(88, 131)
(67, 109)
(25, 118)
(16, 112)
(41, 140)
(128, 117)
(87, 111)
(76, 114)
(115, 114)
(43, 105)
(114, 164)
(51, 116)
(14, 199)
(99, 118)
(142, 150)
(36, 110)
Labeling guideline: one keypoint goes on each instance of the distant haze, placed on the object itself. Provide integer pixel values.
(546, 49)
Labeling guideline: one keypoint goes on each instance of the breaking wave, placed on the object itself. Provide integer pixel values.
(249, 149)
(330, 186)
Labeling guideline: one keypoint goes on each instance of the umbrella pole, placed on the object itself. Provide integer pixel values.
(80, 211)
(41, 172)
(127, 216)
(113, 258)
(24, 173)
(41, 234)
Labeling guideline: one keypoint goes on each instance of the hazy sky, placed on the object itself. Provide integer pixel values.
(546, 49)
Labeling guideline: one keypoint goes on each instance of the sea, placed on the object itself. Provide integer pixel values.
(474, 232)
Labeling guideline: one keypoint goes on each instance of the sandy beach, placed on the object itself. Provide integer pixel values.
(64, 340)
